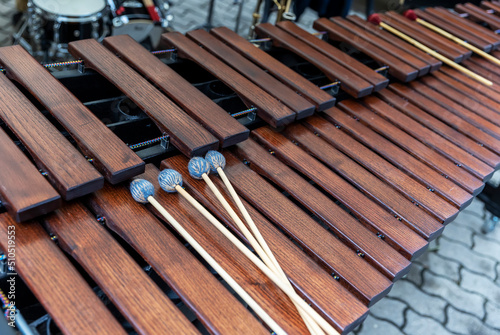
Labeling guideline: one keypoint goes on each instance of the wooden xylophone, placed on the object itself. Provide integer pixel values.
(346, 196)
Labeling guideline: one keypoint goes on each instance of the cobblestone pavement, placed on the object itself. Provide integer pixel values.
(7, 10)
(454, 288)
(191, 14)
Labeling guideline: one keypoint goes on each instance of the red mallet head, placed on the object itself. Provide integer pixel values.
(375, 19)
(410, 14)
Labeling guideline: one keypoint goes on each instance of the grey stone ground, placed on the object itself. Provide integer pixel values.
(452, 289)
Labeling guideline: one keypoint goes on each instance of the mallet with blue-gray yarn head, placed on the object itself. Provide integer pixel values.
(143, 191)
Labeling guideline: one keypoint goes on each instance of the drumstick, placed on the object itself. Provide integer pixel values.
(410, 14)
(150, 6)
(376, 20)
(143, 191)
(199, 168)
(171, 181)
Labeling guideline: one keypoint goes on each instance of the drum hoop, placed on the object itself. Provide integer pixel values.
(72, 19)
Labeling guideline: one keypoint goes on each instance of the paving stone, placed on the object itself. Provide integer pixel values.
(419, 301)
(440, 266)
(189, 15)
(433, 245)
(390, 310)
(452, 293)
(420, 325)
(495, 179)
(486, 246)
(477, 206)
(415, 274)
(469, 259)
(373, 326)
(495, 234)
(459, 234)
(480, 284)
(466, 324)
(493, 314)
(470, 219)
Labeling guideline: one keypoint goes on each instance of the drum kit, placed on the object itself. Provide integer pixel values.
(47, 26)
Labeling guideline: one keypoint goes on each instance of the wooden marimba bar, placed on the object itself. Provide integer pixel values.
(369, 182)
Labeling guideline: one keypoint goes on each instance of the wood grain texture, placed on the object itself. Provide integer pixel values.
(309, 278)
(401, 53)
(351, 83)
(292, 79)
(481, 97)
(476, 65)
(485, 68)
(25, 193)
(396, 41)
(489, 5)
(66, 168)
(112, 158)
(377, 80)
(493, 70)
(494, 53)
(397, 68)
(476, 29)
(450, 92)
(400, 237)
(259, 77)
(135, 294)
(422, 143)
(268, 108)
(479, 14)
(185, 134)
(473, 86)
(436, 125)
(247, 275)
(455, 30)
(202, 109)
(350, 231)
(441, 44)
(431, 178)
(451, 113)
(215, 307)
(414, 190)
(398, 205)
(414, 32)
(57, 285)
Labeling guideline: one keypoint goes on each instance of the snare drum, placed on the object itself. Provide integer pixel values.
(132, 18)
(63, 21)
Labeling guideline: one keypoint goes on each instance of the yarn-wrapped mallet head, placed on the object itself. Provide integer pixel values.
(216, 160)
(411, 15)
(141, 190)
(169, 179)
(374, 19)
(197, 166)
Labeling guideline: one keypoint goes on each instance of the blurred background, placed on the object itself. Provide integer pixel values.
(453, 289)
(44, 27)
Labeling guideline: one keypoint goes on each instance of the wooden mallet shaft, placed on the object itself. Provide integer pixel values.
(143, 192)
(213, 263)
(274, 278)
(413, 16)
(375, 19)
(267, 257)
